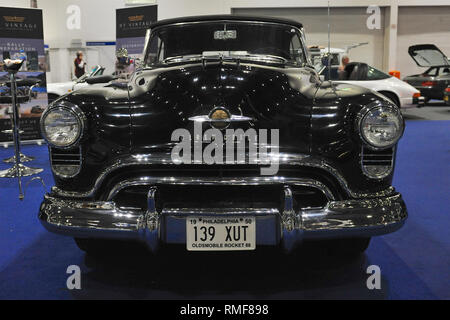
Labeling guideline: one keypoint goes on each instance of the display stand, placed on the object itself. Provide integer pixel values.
(23, 158)
(18, 170)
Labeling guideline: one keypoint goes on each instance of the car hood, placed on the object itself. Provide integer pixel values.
(166, 99)
(143, 114)
(51, 87)
(62, 84)
(428, 55)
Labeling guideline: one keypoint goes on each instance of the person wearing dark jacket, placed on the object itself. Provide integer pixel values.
(80, 65)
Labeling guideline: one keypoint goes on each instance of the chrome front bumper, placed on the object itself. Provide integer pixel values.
(339, 219)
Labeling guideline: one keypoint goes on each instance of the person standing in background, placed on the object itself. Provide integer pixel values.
(80, 65)
(342, 73)
(345, 60)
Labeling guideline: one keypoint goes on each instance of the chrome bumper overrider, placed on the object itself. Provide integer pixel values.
(350, 218)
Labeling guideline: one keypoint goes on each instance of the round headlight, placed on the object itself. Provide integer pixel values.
(381, 127)
(61, 127)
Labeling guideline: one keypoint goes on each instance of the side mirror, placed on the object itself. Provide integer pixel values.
(322, 77)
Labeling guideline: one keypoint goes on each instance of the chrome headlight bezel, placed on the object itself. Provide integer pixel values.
(76, 112)
(362, 115)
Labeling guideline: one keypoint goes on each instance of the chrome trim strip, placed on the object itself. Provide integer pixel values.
(219, 211)
(305, 47)
(148, 33)
(225, 21)
(165, 159)
(151, 181)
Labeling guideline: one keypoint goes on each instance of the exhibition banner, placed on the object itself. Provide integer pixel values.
(131, 27)
(21, 33)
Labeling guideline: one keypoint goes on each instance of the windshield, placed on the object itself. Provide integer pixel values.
(244, 40)
(357, 71)
(427, 55)
(96, 71)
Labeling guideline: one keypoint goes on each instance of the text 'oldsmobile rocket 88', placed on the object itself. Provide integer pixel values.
(226, 139)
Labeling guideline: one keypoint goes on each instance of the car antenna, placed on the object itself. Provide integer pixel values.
(329, 45)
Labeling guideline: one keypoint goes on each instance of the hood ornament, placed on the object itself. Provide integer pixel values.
(220, 118)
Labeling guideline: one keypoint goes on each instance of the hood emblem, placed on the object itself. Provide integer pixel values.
(219, 114)
(220, 118)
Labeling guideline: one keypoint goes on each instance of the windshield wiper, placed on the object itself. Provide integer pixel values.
(251, 57)
(260, 58)
(177, 59)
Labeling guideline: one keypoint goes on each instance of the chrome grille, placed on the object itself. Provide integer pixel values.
(66, 162)
(377, 164)
(219, 196)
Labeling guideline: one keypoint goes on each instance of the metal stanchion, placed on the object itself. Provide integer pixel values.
(10, 112)
(18, 170)
(23, 158)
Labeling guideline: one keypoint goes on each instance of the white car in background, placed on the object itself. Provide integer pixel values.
(317, 52)
(401, 93)
(56, 90)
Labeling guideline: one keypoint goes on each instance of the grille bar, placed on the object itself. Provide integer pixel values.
(66, 163)
(220, 196)
(377, 163)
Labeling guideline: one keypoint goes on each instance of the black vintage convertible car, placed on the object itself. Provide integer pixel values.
(433, 82)
(225, 140)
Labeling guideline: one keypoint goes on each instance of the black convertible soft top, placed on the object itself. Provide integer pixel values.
(226, 17)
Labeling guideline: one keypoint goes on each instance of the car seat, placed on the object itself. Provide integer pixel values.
(359, 72)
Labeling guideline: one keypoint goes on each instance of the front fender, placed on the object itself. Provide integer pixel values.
(334, 135)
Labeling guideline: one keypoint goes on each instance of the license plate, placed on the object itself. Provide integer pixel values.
(446, 98)
(220, 233)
